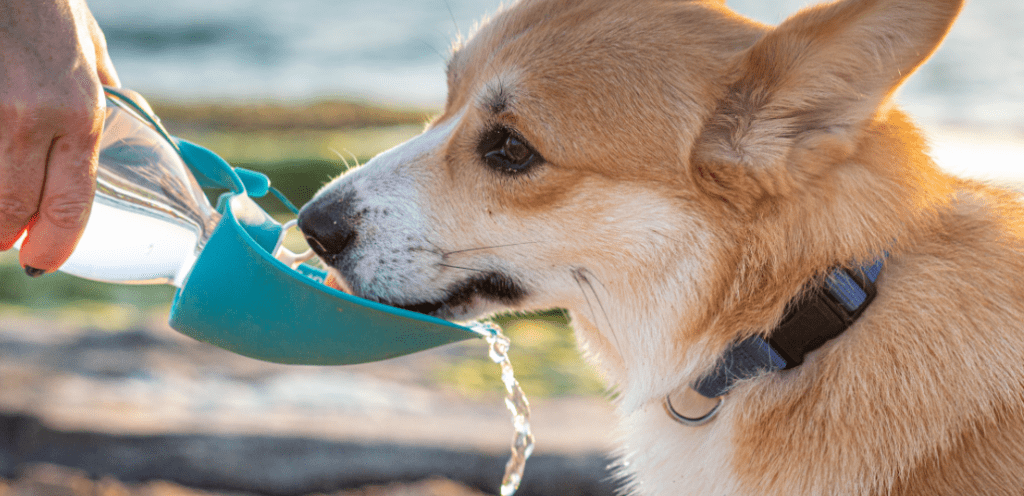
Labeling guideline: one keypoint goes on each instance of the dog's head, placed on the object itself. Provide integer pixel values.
(643, 163)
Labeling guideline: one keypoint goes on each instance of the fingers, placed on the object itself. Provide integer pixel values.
(22, 173)
(48, 156)
(66, 202)
(53, 61)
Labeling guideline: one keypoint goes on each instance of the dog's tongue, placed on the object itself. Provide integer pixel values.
(332, 282)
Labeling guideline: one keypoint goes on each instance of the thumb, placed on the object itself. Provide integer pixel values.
(105, 70)
(104, 66)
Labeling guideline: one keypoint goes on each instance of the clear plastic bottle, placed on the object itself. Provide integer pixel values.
(150, 218)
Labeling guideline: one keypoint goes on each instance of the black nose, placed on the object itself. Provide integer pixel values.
(328, 225)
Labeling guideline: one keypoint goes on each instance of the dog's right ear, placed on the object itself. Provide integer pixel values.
(801, 96)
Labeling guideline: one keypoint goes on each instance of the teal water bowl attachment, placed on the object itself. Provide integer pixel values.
(241, 298)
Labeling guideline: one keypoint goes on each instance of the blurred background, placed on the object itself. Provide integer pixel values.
(98, 396)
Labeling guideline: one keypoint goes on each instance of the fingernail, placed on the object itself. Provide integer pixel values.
(34, 272)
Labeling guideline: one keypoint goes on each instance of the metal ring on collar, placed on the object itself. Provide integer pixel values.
(692, 422)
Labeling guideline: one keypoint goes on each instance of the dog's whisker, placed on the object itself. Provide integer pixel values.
(600, 305)
(462, 268)
(355, 159)
(436, 248)
(451, 15)
(580, 275)
(590, 275)
(445, 254)
(590, 306)
(435, 50)
(342, 157)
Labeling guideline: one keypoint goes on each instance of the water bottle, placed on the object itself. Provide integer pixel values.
(150, 218)
(238, 288)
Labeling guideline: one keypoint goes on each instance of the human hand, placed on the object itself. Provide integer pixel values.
(53, 65)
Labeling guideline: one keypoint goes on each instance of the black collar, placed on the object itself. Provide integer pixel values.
(822, 314)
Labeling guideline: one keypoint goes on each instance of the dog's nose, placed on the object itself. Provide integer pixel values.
(328, 225)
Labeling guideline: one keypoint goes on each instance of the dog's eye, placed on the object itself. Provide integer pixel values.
(505, 150)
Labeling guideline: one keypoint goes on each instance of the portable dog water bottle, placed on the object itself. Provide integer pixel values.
(152, 224)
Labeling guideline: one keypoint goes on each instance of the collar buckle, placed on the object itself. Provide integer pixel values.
(824, 312)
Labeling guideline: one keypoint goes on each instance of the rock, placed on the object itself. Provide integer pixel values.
(56, 480)
(272, 465)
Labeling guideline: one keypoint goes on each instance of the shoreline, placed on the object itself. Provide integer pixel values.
(344, 131)
(995, 156)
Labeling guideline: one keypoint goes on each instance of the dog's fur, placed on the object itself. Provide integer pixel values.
(695, 171)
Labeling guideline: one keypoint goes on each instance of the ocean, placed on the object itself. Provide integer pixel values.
(393, 52)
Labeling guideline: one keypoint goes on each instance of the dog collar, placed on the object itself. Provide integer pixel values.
(820, 315)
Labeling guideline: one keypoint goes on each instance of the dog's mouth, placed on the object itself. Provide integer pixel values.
(464, 297)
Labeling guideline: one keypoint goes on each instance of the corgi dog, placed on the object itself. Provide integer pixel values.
(681, 179)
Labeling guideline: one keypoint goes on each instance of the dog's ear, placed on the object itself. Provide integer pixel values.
(802, 94)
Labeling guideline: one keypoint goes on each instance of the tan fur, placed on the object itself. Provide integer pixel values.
(700, 169)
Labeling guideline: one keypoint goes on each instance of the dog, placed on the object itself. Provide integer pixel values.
(679, 177)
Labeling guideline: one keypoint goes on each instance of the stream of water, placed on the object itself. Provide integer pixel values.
(518, 406)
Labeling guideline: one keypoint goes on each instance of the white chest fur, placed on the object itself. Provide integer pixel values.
(676, 460)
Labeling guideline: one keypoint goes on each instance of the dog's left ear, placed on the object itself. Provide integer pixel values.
(803, 93)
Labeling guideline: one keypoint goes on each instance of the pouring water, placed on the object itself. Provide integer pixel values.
(518, 406)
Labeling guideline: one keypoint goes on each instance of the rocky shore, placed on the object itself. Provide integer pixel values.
(149, 412)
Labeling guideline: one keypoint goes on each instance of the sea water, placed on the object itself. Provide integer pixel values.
(395, 51)
(515, 400)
